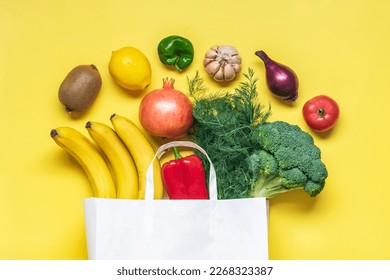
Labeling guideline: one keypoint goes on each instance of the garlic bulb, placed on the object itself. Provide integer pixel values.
(223, 63)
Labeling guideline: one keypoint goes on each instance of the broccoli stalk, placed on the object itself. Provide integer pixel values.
(267, 186)
(287, 160)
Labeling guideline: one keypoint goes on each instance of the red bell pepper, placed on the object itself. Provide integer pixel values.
(184, 177)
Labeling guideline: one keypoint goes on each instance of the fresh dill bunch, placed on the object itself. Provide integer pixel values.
(223, 124)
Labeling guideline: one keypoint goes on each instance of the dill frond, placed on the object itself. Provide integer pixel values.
(223, 124)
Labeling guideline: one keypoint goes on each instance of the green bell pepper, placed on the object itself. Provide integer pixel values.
(177, 51)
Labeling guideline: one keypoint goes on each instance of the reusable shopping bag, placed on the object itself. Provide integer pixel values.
(177, 229)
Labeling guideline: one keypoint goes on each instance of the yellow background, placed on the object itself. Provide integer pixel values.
(338, 48)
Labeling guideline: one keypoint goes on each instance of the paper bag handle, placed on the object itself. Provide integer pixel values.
(149, 189)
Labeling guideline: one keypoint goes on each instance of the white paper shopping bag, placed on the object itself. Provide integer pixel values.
(177, 229)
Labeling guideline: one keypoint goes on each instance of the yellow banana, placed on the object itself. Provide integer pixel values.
(142, 153)
(87, 155)
(119, 157)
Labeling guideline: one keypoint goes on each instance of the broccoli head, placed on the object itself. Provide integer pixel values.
(287, 159)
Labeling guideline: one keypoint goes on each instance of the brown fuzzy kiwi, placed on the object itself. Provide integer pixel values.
(80, 88)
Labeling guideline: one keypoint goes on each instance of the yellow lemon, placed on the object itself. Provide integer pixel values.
(130, 68)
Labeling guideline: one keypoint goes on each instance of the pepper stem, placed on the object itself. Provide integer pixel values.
(176, 153)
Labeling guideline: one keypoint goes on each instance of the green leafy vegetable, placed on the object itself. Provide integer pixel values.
(223, 123)
(288, 160)
(252, 157)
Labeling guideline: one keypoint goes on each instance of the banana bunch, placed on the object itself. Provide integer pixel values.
(116, 166)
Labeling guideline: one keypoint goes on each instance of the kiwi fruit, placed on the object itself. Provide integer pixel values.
(80, 88)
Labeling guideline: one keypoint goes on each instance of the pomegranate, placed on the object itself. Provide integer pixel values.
(166, 112)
